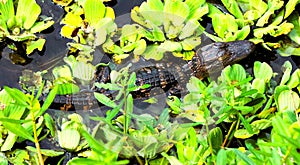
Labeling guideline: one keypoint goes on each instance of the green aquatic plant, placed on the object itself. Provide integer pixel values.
(88, 23)
(169, 26)
(20, 25)
(21, 117)
(267, 18)
(292, 46)
(123, 83)
(131, 41)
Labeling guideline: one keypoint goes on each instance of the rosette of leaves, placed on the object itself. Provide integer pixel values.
(21, 26)
(170, 26)
(267, 18)
(88, 23)
(292, 46)
(77, 71)
(131, 41)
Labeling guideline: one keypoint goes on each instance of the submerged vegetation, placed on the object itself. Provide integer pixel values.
(240, 117)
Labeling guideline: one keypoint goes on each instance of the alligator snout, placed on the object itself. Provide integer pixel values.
(237, 50)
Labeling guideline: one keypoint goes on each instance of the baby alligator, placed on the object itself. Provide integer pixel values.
(208, 59)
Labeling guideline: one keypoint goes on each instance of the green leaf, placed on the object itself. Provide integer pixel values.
(241, 34)
(105, 100)
(46, 152)
(67, 88)
(170, 46)
(294, 80)
(17, 95)
(287, 69)
(93, 143)
(152, 52)
(155, 5)
(7, 10)
(78, 160)
(22, 37)
(288, 101)
(288, 50)
(259, 84)
(262, 71)
(172, 159)
(40, 26)
(28, 11)
(246, 124)
(233, 73)
(108, 86)
(141, 47)
(17, 129)
(176, 11)
(233, 8)
(50, 124)
(215, 137)
(32, 45)
(174, 104)
(244, 134)
(83, 71)
(69, 139)
(244, 157)
(294, 34)
(94, 11)
(129, 110)
(261, 124)
(48, 101)
(290, 7)
(277, 91)
(221, 157)
(190, 43)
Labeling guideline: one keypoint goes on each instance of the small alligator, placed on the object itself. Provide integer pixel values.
(208, 59)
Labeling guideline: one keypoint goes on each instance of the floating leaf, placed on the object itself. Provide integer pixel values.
(262, 71)
(83, 71)
(290, 7)
(69, 139)
(259, 84)
(28, 11)
(287, 69)
(288, 101)
(234, 73)
(294, 81)
(233, 8)
(94, 11)
(40, 26)
(176, 11)
(32, 45)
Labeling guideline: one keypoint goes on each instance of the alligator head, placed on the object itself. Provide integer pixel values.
(214, 57)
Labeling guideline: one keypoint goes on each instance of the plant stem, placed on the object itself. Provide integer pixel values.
(228, 134)
(36, 140)
(286, 155)
(125, 112)
(209, 141)
(139, 160)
